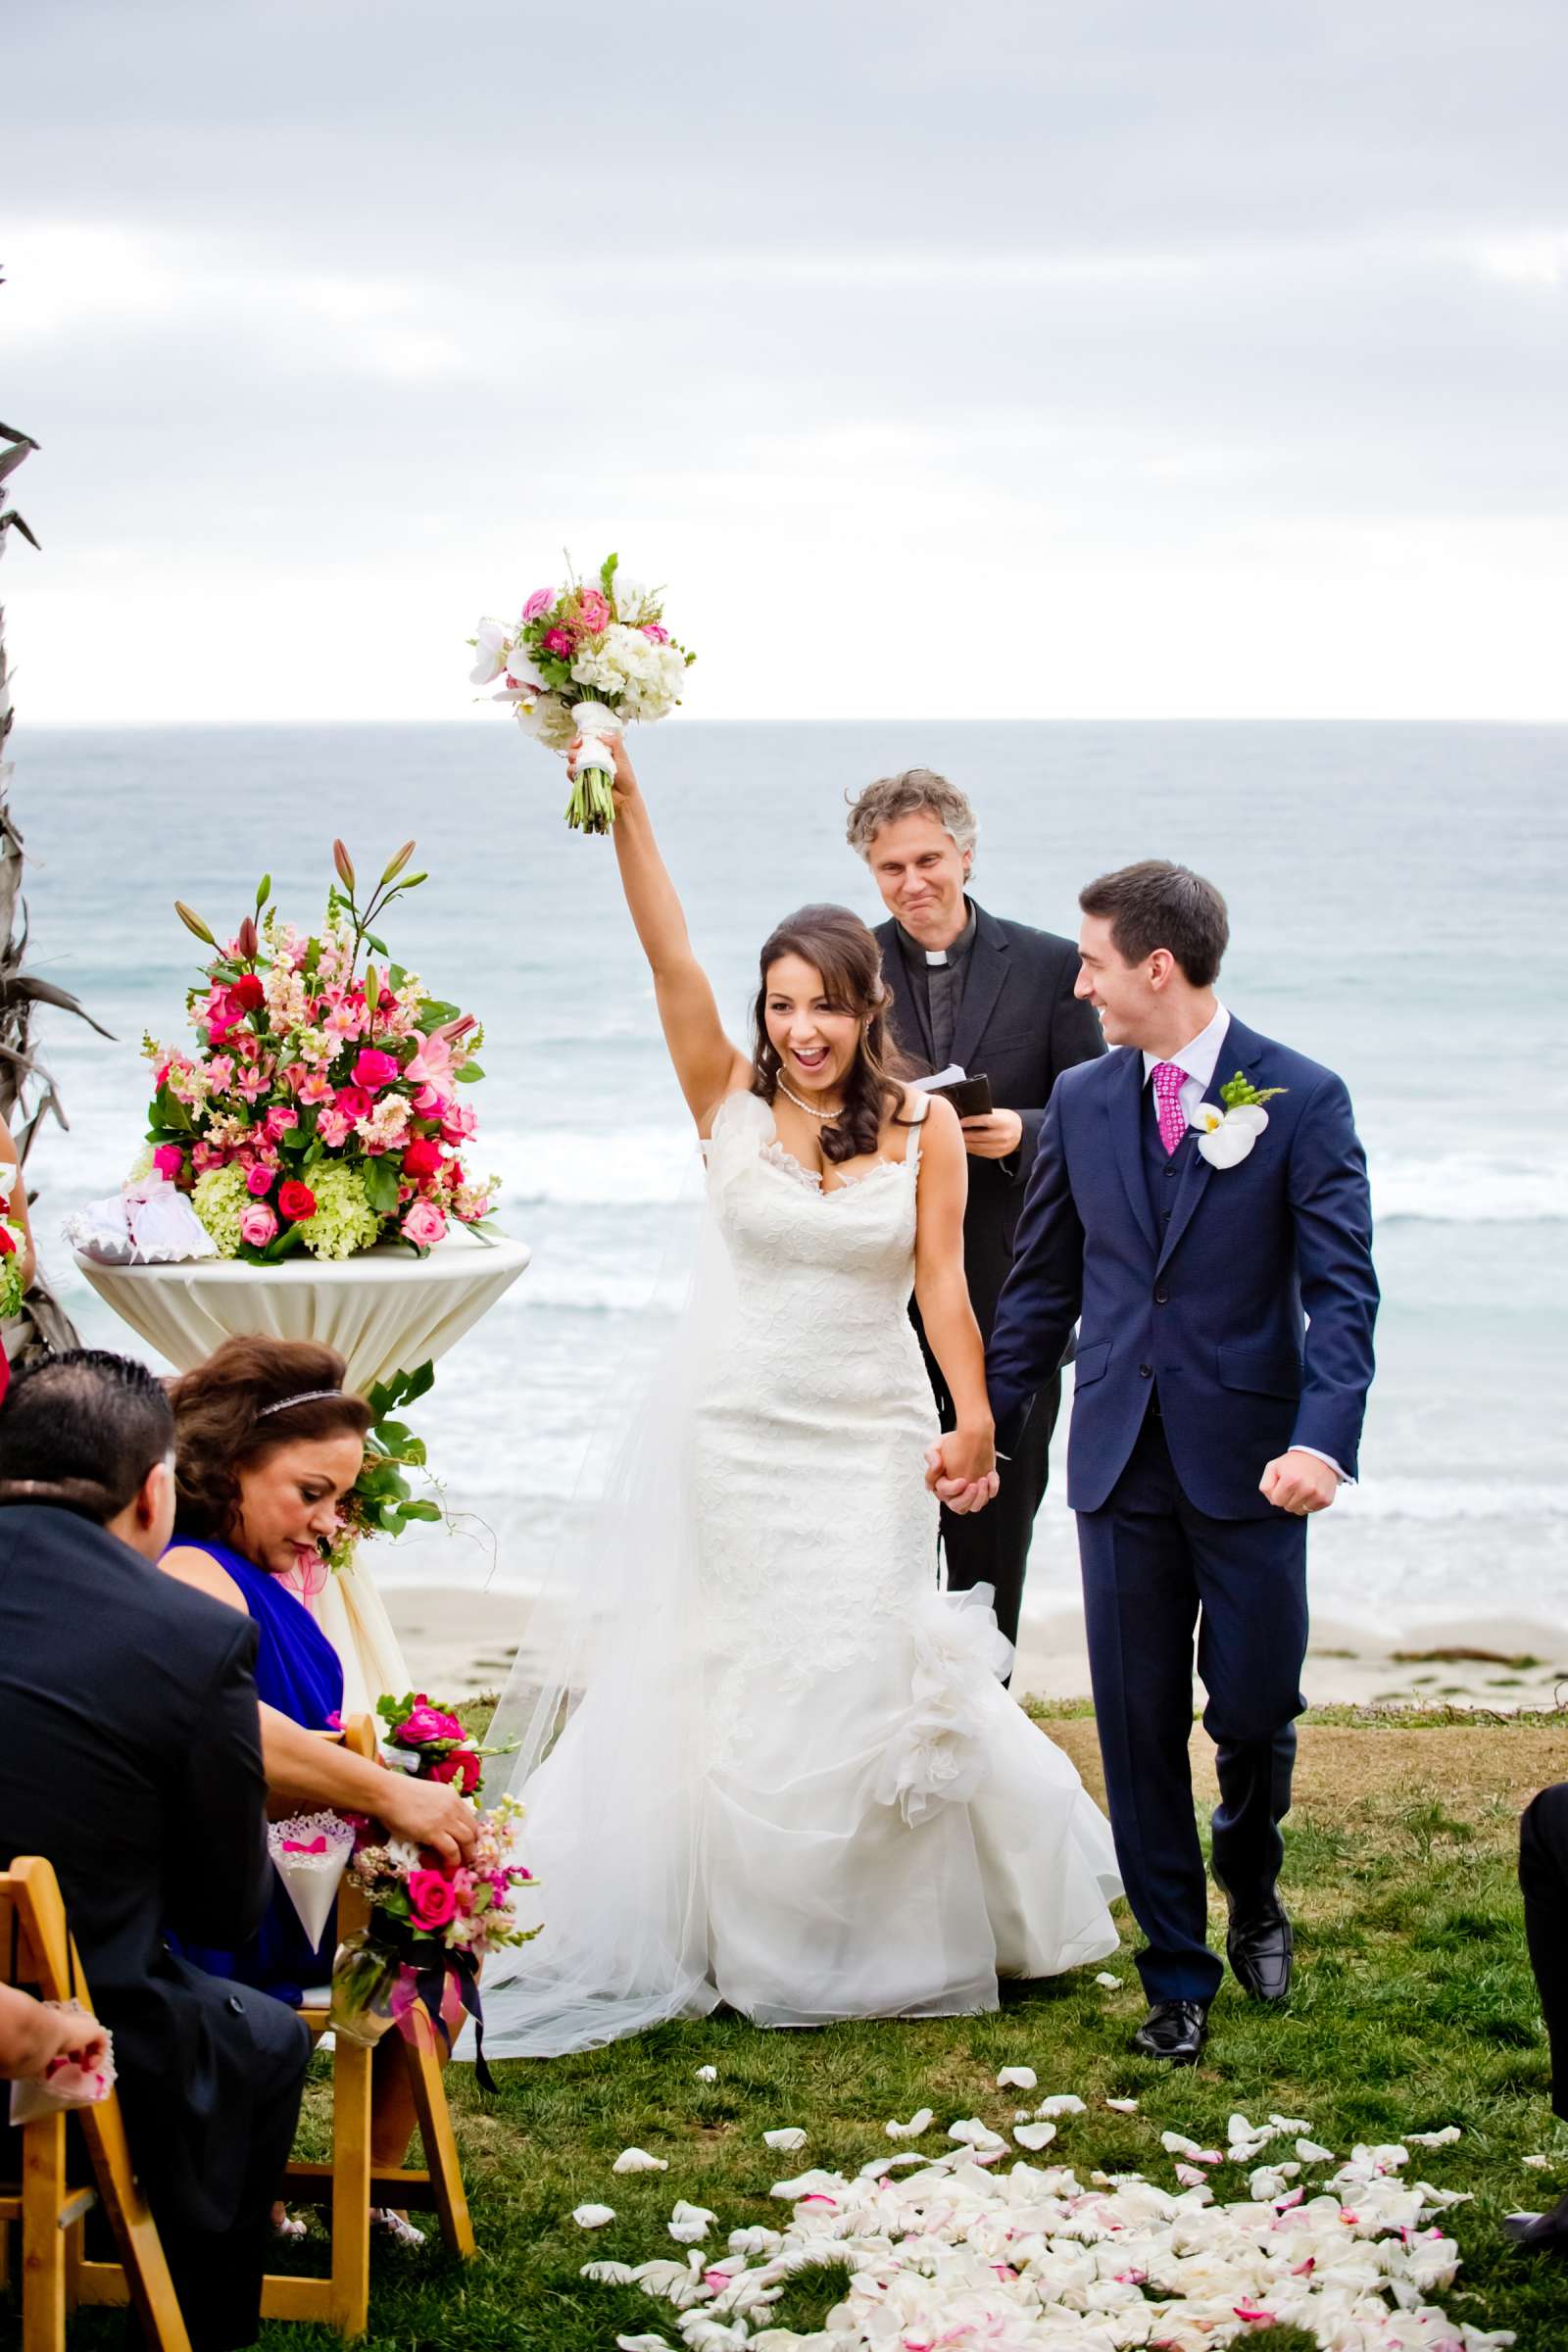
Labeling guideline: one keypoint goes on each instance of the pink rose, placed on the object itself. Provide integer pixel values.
(374, 1069)
(538, 604)
(423, 1158)
(462, 1766)
(432, 1898)
(258, 1225)
(280, 1118)
(423, 1225)
(657, 631)
(353, 1104)
(259, 1183)
(560, 643)
(595, 611)
(459, 1123)
(168, 1160)
(424, 1723)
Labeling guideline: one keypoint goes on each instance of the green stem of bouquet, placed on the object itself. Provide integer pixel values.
(592, 805)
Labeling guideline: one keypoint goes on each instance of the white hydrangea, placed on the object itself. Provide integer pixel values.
(643, 678)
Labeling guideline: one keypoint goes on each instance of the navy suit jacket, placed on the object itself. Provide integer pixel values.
(1252, 1309)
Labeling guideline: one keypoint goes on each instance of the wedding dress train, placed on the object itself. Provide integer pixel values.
(789, 1778)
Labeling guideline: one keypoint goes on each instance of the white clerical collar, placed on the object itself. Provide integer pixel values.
(1200, 1056)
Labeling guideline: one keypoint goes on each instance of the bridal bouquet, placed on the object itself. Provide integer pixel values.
(430, 1930)
(321, 1106)
(582, 661)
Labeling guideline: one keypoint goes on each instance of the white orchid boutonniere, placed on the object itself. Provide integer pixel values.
(1225, 1137)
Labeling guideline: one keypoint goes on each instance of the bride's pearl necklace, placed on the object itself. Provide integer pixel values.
(811, 1114)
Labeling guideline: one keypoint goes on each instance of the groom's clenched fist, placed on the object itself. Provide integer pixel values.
(1300, 1482)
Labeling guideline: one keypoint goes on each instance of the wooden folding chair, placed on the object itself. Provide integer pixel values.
(37, 1954)
(350, 2186)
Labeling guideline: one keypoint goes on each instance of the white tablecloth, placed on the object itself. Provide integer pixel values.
(384, 1312)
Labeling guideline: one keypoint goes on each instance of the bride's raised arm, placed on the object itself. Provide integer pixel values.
(707, 1063)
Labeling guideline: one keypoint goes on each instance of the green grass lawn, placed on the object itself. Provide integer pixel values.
(1414, 2008)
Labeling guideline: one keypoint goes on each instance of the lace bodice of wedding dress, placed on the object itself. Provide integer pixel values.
(793, 1781)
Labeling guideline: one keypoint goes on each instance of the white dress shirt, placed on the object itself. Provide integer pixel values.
(1199, 1058)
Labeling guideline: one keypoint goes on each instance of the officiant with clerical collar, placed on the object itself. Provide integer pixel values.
(994, 998)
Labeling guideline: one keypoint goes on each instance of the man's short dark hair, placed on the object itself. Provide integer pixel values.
(1157, 905)
(82, 1431)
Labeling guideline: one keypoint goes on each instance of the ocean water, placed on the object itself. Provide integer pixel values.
(1396, 894)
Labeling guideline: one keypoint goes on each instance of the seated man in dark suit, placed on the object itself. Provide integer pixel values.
(132, 1760)
(1544, 1883)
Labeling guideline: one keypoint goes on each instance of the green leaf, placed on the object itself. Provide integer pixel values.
(436, 1012)
(419, 1382)
(470, 1071)
(379, 944)
(171, 1112)
(380, 1178)
(606, 574)
(393, 1435)
(420, 1509)
(264, 891)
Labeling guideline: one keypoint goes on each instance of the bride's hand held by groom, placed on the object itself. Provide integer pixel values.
(960, 1469)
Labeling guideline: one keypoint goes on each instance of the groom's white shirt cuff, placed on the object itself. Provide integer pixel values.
(1318, 1455)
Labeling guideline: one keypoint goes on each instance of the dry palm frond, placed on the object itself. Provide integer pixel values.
(27, 1091)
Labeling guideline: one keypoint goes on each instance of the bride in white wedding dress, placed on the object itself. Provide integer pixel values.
(766, 1762)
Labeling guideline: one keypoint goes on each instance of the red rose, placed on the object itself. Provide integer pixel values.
(423, 1158)
(462, 1766)
(296, 1202)
(432, 1898)
(248, 992)
(8, 1246)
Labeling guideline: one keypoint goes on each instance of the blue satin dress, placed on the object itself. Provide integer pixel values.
(300, 1674)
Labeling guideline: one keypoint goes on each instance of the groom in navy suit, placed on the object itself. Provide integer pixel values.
(1218, 1250)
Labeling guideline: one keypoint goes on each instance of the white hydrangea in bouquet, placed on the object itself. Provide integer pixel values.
(583, 661)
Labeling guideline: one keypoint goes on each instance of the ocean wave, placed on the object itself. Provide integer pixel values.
(1439, 1499)
(1458, 1188)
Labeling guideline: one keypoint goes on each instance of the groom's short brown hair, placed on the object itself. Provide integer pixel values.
(1156, 905)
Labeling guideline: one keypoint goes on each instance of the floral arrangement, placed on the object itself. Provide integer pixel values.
(433, 1744)
(582, 661)
(321, 1106)
(429, 1928)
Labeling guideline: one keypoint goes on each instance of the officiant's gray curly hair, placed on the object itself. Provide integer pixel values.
(917, 791)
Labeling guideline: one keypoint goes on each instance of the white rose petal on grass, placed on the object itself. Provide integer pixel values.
(1112, 1983)
(1190, 2178)
(1067, 2102)
(913, 2130)
(708, 2074)
(608, 2273)
(593, 2217)
(643, 2343)
(1123, 2106)
(689, 2225)
(1018, 2078)
(1537, 2163)
(638, 2160)
(787, 2141)
(1311, 2151)
(1289, 2123)
(1435, 2140)
(971, 2132)
(1035, 2136)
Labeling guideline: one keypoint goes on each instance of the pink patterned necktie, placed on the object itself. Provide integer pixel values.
(1169, 1079)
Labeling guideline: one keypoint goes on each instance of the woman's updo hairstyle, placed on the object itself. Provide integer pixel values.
(838, 945)
(223, 1425)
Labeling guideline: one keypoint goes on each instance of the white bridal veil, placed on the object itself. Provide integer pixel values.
(606, 1699)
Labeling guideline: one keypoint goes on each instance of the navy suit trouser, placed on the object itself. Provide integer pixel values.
(1544, 1880)
(1154, 1568)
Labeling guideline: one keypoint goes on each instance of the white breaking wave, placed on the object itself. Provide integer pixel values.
(1459, 1187)
(1435, 1499)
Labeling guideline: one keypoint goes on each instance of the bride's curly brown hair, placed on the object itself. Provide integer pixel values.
(843, 951)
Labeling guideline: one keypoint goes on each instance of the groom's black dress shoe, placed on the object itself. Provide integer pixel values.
(1260, 1946)
(1540, 2232)
(1173, 2029)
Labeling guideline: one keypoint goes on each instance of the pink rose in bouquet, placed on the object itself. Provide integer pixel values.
(169, 1160)
(433, 1898)
(374, 1069)
(423, 1225)
(258, 1181)
(258, 1225)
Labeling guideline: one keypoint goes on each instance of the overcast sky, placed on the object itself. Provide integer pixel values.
(1123, 358)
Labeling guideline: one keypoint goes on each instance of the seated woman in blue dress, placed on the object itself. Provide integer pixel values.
(267, 1443)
